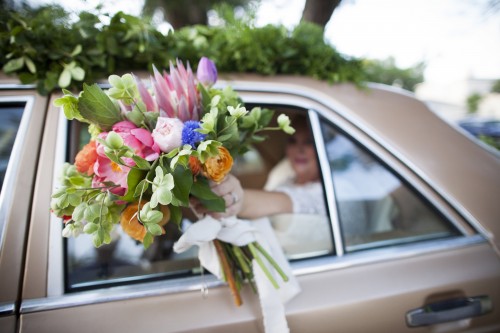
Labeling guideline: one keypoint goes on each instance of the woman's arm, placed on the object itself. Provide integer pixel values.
(246, 203)
(258, 203)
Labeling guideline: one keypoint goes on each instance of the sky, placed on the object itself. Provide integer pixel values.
(455, 38)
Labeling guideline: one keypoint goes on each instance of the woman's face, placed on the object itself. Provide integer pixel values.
(302, 155)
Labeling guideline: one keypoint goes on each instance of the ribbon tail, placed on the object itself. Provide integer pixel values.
(273, 310)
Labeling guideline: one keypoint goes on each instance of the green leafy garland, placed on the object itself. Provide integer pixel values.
(47, 48)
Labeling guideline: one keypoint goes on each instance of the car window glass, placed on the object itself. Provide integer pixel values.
(10, 118)
(375, 207)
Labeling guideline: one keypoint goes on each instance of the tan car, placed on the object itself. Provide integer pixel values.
(411, 243)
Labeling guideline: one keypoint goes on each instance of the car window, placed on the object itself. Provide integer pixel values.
(375, 207)
(10, 119)
(125, 260)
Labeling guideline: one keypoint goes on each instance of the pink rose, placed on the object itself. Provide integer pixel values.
(168, 133)
(139, 139)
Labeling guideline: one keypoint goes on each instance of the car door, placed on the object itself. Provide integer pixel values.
(367, 275)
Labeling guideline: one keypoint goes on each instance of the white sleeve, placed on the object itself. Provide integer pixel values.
(306, 199)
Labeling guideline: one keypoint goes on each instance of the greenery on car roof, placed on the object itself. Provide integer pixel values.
(50, 48)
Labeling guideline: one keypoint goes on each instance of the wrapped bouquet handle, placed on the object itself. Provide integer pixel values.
(263, 264)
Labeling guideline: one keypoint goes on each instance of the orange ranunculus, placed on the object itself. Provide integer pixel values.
(131, 225)
(85, 159)
(217, 167)
(195, 165)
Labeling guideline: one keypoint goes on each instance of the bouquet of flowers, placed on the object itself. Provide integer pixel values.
(152, 147)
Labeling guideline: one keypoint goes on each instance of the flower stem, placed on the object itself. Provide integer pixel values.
(256, 256)
(271, 261)
(227, 272)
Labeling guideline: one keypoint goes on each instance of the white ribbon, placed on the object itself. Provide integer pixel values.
(240, 233)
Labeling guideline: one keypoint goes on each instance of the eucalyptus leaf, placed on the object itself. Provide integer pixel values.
(154, 229)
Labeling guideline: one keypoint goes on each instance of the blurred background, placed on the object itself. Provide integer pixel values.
(447, 52)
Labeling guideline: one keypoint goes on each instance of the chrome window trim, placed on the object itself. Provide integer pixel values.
(17, 86)
(7, 309)
(322, 264)
(342, 110)
(299, 268)
(327, 182)
(55, 269)
(12, 170)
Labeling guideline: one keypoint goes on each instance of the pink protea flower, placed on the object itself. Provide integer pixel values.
(145, 95)
(176, 93)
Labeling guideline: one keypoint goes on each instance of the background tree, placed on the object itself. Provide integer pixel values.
(496, 87)
(319, 11)
(386, 71)
(473, 102)
(187, 12)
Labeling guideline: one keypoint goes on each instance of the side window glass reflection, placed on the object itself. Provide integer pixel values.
(375, 207)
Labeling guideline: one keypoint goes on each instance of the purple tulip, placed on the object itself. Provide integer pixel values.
(207, 72)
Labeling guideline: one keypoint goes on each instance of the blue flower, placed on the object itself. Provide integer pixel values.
(189, 134)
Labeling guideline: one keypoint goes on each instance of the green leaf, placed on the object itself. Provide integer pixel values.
(183, 179)
(201, 190)
(141, 163)
(148, 240)
(69, 103)
(77, 50)
(154, 229)
(134, 178)
(141, 188)
(98, 108)
(29, 63)
(13, 65)
(79, 212)
(64, 78)
(90, 228)
(175, 214)
(78, 73)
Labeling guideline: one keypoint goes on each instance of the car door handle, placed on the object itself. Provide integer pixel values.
(449, 310)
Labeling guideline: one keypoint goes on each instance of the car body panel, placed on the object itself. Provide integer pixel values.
(348, 292)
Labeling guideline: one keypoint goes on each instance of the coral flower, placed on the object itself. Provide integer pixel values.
(131, 225)
(217, 167)
(85, 159)
(195, 165)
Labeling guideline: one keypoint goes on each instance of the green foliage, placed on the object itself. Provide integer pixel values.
(386, 71)
(473, 102)
(48, 48)
(496, 87)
